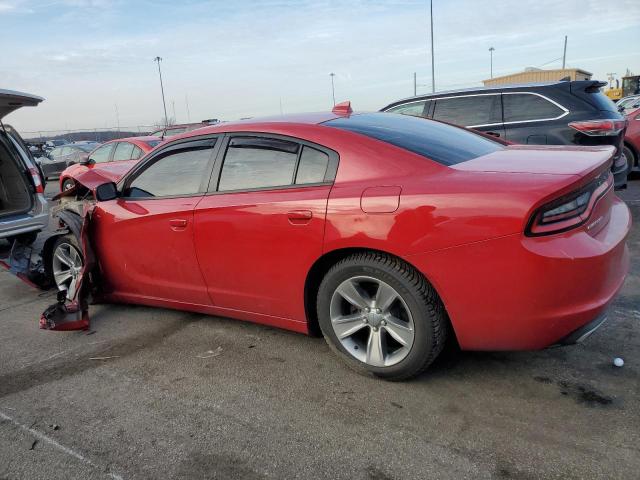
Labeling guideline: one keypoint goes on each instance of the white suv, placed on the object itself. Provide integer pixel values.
(23, 208)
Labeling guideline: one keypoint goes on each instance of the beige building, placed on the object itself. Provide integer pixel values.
(531, 75)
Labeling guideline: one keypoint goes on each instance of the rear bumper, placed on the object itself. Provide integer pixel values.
(581, 334)
(32, 221)
(526, 293)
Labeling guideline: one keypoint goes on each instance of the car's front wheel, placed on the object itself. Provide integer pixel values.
(381, 316)
(66, 264)
(68, 184)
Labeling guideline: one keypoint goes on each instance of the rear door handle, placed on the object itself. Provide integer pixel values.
(493, 134)
(299, 217)
(178, 224)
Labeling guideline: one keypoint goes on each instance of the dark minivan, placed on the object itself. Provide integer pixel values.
(557, 113)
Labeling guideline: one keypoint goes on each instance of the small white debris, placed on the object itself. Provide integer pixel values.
(618, 362)
(104, 358)
(211, 353)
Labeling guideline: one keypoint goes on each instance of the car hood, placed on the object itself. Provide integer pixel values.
(114, 171)
(11, 100)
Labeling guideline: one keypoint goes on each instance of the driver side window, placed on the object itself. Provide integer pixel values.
(101, 155)
(177, 174)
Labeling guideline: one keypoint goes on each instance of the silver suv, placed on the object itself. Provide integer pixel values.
(23, 208)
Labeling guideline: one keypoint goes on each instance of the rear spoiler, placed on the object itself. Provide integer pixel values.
(587, 86)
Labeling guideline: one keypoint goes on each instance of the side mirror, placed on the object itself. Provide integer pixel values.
(106, 192)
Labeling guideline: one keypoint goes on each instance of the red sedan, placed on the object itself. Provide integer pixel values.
(632, 140)
(385, 232)
(112, 159)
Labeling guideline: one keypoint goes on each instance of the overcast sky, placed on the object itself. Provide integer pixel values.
(240, 58)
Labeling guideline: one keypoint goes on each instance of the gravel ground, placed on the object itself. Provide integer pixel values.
(153, 393)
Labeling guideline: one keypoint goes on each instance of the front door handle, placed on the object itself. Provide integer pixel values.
(493, 134)
(178, 224)
(299, 217)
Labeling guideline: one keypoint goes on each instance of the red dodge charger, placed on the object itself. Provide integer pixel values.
(385, 232)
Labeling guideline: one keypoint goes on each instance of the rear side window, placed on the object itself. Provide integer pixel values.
(313, 166)
(439, 142)
(177, 174)
(137, 153)
(124, 150)
(520, 107)
(469, 111)
(252, 162)
(416, 109)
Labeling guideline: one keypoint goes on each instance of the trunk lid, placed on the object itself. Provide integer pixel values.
(10, 100)
(542, 159)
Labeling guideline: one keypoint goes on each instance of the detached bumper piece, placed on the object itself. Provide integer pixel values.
(579, 335)
(73, 313)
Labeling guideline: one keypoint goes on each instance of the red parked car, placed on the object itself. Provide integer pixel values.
(113, 159)
(632, 140)
(384, 231)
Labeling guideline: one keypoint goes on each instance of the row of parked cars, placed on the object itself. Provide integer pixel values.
(386, 232)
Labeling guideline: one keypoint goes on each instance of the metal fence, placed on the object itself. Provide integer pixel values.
(91, 134)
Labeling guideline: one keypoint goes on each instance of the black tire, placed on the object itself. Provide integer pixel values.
(24, 238)
(424, 304)
(67, 184)
(628, 153)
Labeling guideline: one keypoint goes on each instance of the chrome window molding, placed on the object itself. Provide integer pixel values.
(564, 113)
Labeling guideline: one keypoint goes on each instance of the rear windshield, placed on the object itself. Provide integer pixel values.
(153, 143)
(437, 141)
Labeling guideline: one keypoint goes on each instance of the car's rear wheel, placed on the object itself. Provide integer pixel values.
(381, 316)
(68, 184)
(66, 264)
(628, 153)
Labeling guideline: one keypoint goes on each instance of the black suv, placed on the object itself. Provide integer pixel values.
(558, 113)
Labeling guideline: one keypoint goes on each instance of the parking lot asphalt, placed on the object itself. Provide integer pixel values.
(154, 393)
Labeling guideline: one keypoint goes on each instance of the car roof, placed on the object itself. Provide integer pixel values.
(11, 100)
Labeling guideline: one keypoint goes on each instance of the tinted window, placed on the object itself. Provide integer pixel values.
(153, 143)
(177, 174)
(414, 108)
(467, 111)
(519, 107)
(124, 150)
(252, 162)
(440, 142)
(313, 166)
(137, 153)
(101, 155)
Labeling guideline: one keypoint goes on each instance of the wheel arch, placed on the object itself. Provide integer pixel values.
(322, 265)
(70, 222)
(634, 151)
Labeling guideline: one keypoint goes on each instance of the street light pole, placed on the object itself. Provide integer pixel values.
(491, 49)
(333, 88)
(433, 72)
(164, 105)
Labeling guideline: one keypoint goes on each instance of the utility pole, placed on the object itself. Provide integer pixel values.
(164, 105)
(117, 116)
(491, 49)
(186, 101)
(433, 72)
(611, 77)
(415, 84)
(333, 88)
(564, 53)
(173, 106)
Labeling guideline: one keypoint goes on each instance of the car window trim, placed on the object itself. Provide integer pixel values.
(427, 106)
(329, 178)
(190, 143)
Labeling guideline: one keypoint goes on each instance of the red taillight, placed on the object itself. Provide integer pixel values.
(596, 128)
(569, 211)
(37, 182)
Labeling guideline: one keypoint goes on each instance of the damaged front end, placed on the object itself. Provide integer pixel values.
(74, 215)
